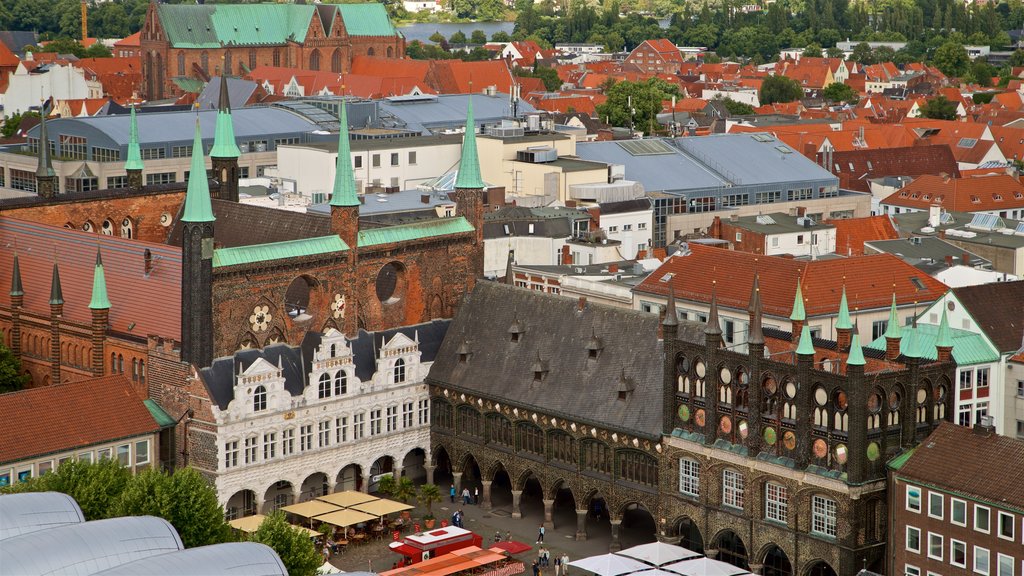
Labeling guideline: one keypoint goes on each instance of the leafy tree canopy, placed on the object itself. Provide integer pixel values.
(951, 58)
(635, 103)
(939, 108)
(839, 92)
(294, 546)
(11, 376)
(780, 89)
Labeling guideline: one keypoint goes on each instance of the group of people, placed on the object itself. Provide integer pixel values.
(467, 497)
(544, 560)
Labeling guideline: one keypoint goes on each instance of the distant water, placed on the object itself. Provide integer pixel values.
(423, 30)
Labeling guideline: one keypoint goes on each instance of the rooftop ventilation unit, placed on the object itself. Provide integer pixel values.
(537, 155)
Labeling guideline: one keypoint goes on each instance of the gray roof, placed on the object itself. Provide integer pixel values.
(670, 171)
(781, 223)
(745, 159)
(239, 92)
(88, 547)
(576, 387)
(33, 511)
(548, 222)
(439, 112)
(242, 558)
(927, 248)
(296, 361)
(626, 206)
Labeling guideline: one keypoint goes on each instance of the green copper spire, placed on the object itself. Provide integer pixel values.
(805, 347)
(198, 207)
(16, 289)
(912, 343)
(134, 161)
(344, 194)
(44, 169)
(892, 330)
(843, 323)
(469, 164)
(99, 286)
(944, 339)
(56, 294)
(856, 357)
(798, 304)
(224, 145)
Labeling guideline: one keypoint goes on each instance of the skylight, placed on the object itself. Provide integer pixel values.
(765, 219)
(645, 147)
(967, 143)
(985, 222)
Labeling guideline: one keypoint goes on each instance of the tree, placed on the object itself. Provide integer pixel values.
(547, 74)
(780, 89)
(94, 485)
(478, 37)
(939, 108)
(459, 37)
(812, 51)
(862, 54)
(437, 38)
(737, 108)
(635, 103)
(404, 490)
(1017, 58)
(429, 494)
(11, 376)
(184, 498)
(293, 545)
(951, 58)
(839, 92)
(834, 52)
(501, 36)
(883, 54)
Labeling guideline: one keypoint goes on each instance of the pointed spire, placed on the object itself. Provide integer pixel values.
(856, 356)
(755, 292)
(755, 335)
(344, 194)
(198, 207)
(45, 167)
(844, 323)
(713, 328)
(56, 294)
(134, 160)
(224, 145)
(806, 346)
(671, 318)
(798, 314)
(469, 165)
(911, 349)
(944, 338)
(16, 289)
(99, 286)
(892, 330)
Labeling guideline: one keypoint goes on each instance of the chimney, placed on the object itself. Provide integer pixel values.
(581, 304)
(566, 255)
(949, 261)
(425, 198)
(613, 268)
(801, 211)
(985, 427)
(892, 347)
(934, 216)
(734, 217)
(965, 258)
(942, 234)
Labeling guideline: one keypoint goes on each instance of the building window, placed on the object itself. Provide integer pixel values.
(306, 438)
(106, 154)
(408, 409)
(288, 442)
(689, 477)
(324, 433)
(636, 466)
(357, 161)
(341, 429)
(358, 426)
(981, 560)
(732, 489)
(958, 512)
(776, 502)
(73, 147)
(424, 412)
(966, 377)
(81, 184)
(250, 450)
(823, 516)
(181, 151)
(936, 545)
(231, 454)
(376, 161)
(399, 376)
(878, 328)
(412, 158)
(982, 378)
(958, 553)
(936, 505)
(1005, 525)
(341, 383)
(1005, 565)
(394, 158)
(269, 445)
(981, 518)
(913, 539)
(159, 178)
(259, 399)
(124, 454)
(115, 182)
(913, 498)
(392, 418)
(324, 386)
(23, 180)
(909, 570)
(531, 439)
(375, 421)
(153, 153)
(142, 452)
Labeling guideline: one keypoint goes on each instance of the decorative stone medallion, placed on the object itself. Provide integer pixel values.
(338, 306)
(260, 318)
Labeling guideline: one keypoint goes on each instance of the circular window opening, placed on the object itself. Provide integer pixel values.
(390, 284)
(296, 299)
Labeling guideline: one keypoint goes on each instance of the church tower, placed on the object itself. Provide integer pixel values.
(197, 263)
(345, 219)
(133, 164)
(224, 154)
(469, 187)
(47, 185)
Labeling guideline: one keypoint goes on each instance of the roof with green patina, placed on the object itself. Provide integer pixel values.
(163, 419)
(414, 231)
(278, 250)
(968, 347)
(368, 19)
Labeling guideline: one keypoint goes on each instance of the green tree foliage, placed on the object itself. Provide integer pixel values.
(635, 103)
(69, 46)
(478, 37)
(428, 495)
(839, 92)
(547, 74)
(939, 108)
(883, 54)
(737, 108)
(501, 36)
(813, 51)
(11, 376)
(862, 54)
(780, 89)
(982, 72)
(459, 37)
(95, 486)
(982, 97)
(951, 58)
(294, 546)
(1017, 58)
(834, 52)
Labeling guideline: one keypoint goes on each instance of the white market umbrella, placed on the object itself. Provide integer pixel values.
(704, 566)
(654, 572)
(328, 568)
(609, 565)
(658, 553)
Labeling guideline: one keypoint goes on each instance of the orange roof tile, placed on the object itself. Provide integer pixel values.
(869, 280)
(132, 41)
(72, 415)
(7, 58)
(977, 194)
(852, 233)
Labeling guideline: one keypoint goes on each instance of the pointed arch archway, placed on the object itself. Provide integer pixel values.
(442, 463)
(731, 549)
(413, 465)
(776, 562)
(689, 535)
(820, 568)
(563, 506)
(637, 525)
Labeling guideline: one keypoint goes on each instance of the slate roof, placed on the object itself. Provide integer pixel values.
(626, 206)
(988, 467)
(72, 415)
(247, 225)
(152, 302)
(557, 332)
(856, 167)
(297, 361)
(998, 308)
(922, 249)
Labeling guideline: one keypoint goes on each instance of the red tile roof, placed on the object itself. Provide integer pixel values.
(869, 280)
(852, 233)
(151, 303)
(72, 415)
(855, 167)
(581, 104)
(977, 194)
(7, 58)
(458, 77)
(132, 41)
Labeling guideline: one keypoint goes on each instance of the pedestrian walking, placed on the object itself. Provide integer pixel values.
(558, 566)
(545, 557)
(465, 496)
(327, 552)
(540, 534)
(497, 536)
(565, 565)
(451, 493)
(508, 536)
(476, 496)
(536, 568)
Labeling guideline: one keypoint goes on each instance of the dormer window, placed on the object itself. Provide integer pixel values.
(516, 331)
(540, 370)
(464, 352)
(626, 387)
(399, 374)
(594, 347)
(259, 399)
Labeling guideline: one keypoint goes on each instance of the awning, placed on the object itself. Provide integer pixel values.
(310, 508)
(248, 524)
(381, 507)
(344, 518)
(511, 546)
(347, 499)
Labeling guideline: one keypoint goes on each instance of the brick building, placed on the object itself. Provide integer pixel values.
(956, 505)
(659, 56)
(181, 43)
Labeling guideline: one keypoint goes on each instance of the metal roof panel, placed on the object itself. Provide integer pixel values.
(277, 250)
(414, 231)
